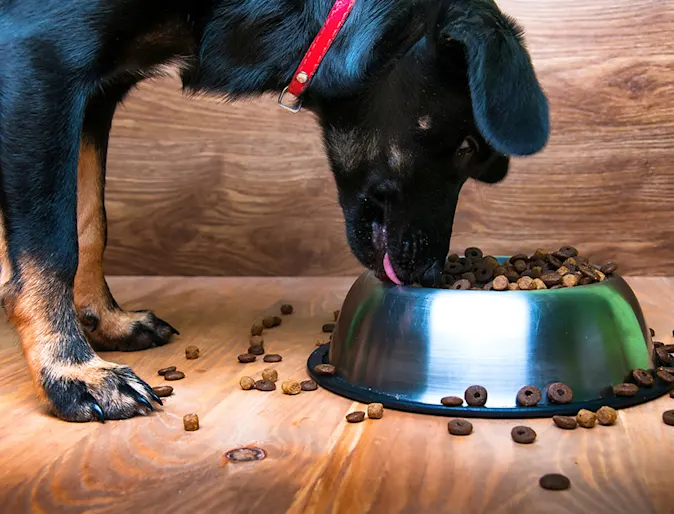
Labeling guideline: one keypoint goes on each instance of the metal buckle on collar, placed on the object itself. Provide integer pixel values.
(294, 107)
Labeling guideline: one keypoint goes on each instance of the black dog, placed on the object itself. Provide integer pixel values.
(414, 98)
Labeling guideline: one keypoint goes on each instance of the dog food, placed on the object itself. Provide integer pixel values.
(163, 391)
(286, 309)
(625, 389)
(554, 482)
(328, 327)
(665, 376)
(560, 393)
(272, 357)
(246, 357)
(291, 387)
(163, 371)
(529, 396)
(268, 321)
(355, 417)
(607, 416)
(191, 422)
(523, 435)
(668, 417)
(319, 342)
(247, 383)
(452, 401)
(324, 369)
(375, 411)
(191, 352)
(277, 321)
(245, 454)
(265, 385)
(642, 377)
(565, 422)
(501, 283)
(460, 427)
(308, 385)
(256, 350)
(256, 329)
(270, 374)
(256, 341)
(662, 354)
(586, 418)
(476, 396)
(174, 375)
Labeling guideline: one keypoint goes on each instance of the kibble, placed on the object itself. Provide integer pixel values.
(308, 385)
(328, 327)
(286, 309)
(586, 418)
(452, 401)
(460, 427)
(642, 377)
(539, 284)
(529, 396)
(554, 482)
(324, 369)
(291, 387)
(256, 350)
(665, 376)
(461, 285)
(192, 352)
(668, 417)
(270, 374)
(663, 355)
(501, 283)
(625, 389)
(268, 321)
(245, 358)
(191, 422)
(607, 416)
(256, 329)
(163, 391)
(272, 357)
(560, 393)
(163, 371)
(609, 267)
(265, 385)
(256, 341)
(174, 375)
(375, 411)
(247, 383)
(526, 283)
(569, 280)
(355, 417)
(523, 435)
(565, 422)
(476, 396)
(277, 320)
(512, 286)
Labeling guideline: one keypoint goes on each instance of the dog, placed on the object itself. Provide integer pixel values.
(414, 97)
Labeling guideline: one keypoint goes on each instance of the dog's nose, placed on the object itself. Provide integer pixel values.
(383, 193)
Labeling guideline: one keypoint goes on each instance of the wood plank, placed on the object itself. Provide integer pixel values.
(317, 463)
(200, 187)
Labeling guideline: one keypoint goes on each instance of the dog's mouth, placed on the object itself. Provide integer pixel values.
(384, 264)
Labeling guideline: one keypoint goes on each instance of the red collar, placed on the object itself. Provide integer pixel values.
(312, 59)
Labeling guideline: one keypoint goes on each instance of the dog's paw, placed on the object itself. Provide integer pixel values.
(95, 391)
(125, 331)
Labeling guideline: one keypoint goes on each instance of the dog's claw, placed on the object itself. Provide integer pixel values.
(156, 398)
(147, 404)
(98, 411)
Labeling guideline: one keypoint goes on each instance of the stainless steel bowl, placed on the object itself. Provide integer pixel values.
(408, 347)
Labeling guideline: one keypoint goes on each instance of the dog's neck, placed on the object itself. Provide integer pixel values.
(254, 46)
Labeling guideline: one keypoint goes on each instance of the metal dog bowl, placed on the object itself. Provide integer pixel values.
(408, 347)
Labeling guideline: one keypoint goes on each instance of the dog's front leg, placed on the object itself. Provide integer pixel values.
(41, 110)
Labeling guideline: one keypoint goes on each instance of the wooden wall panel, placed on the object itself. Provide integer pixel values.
(201, 187)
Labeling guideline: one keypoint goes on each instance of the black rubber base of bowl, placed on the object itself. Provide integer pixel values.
(366, 395)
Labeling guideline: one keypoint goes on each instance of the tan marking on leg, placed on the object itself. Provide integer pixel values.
(5, 264)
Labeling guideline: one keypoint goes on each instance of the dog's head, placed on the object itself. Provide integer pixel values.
(460, 100)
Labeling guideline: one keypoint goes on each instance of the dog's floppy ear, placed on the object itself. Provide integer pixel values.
(510, 108)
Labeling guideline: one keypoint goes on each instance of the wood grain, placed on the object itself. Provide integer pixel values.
(200, 187)
(317, 463)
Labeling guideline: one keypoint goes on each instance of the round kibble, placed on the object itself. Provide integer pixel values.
(551, 278)
(460, 427)
(272, 357)
(163, 371)
(563, 270)
(526, 283)
(286, 309)
(476, 396)
(484, 274)
(625, 389)
(473, 253)
(308, 385)
(191, 422)
(191, 352)
(247, 383)
(265, 385)
(277, 320)
(520, 266)
(585, 281)
(565, 422)
(245, 454)
(174, 375)
(568, 251)
(488, 286)
(512, 276)
(607, 416)
(268, 321)
(256, 341)
(529, 396)
(642, 377)
(375, 411)
(523, 435)
(586, 418)
(328, 327)
(462, 285)
(256, 329)
(554, 482)
(512, 286)
(270, 374)
(556, 262)
(560, 393)
(663, 355)
(291, 387)
(668, 417)
(569, 280)
(589, 271)
(500, 271)
(665, 376)
(519, 257)
(355, 417)
(256, 350)
(500, 283)
(608, 268)
(451, 401)
(470, 277)
(246, 357)
(324, 369)
(539, 284)
(163, 391)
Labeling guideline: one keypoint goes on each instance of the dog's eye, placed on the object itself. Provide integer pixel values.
(466, 151)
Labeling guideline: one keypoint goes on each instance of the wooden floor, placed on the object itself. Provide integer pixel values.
(316, 462)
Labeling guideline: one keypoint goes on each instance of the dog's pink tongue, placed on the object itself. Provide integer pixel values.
(388, 269)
